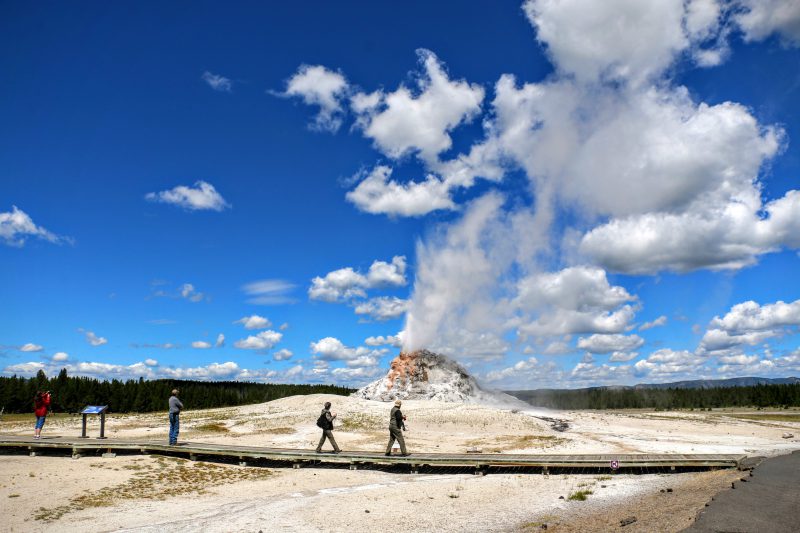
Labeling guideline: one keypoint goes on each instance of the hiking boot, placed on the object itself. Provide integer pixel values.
(337, 451)
(405, 454)
(318, 451)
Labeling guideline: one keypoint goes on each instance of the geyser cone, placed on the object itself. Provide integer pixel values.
(423, 375)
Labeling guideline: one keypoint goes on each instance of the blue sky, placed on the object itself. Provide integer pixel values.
(554, 193)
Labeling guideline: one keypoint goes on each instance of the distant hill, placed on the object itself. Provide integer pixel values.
(714, 383)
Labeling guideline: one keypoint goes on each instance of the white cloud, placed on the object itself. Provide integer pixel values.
(317, 85)
(669, 363)
(201, 345)
(600, 343)
(332, 349)
(521, 367)
(380, 340)
(750, 316)
(269, 292)
(202, 197)
(625, 40)
(261, 341)
(759, 19)
(402, 122)
(59, 357)
(254, 322)
(189, 292)
(622, 357)
(346, 283)
(220, 341)
(355, 375)
(573, 300)
(378, 194)
(282, 355)
(383, 308)
(16, 226)
(31, 347)
(94, 340)
(151, 362)
(658, 322)
(217, 82)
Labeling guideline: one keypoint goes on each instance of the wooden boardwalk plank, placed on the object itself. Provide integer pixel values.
(362, 457)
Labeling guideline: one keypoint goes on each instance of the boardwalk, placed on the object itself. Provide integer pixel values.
(480, 462)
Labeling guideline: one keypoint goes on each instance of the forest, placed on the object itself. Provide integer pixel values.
(71, 394)
(672, 398)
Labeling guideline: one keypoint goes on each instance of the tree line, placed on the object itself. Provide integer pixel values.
(71, 394)
(787, 395)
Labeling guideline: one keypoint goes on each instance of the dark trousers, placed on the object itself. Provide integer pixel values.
(174, 427)
(395, 433)
(327, 434)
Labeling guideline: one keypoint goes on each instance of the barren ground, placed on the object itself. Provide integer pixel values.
(152, 493)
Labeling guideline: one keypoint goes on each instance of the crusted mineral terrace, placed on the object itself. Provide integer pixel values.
(424, 375)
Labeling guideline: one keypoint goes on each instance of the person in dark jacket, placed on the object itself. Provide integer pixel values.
(41, 405)
(396, 427)
(326, 420)
(175, 408)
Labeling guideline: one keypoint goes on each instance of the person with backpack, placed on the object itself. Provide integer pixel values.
(41, 404)
(396, 426)
(325, 423)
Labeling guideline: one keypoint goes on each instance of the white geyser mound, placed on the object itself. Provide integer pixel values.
(424, 375)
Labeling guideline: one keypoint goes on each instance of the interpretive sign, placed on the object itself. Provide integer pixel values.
(95, 410)
(614, 465)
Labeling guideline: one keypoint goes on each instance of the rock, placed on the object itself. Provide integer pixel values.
(560, 497)
(669, 490)
(626, 521)
(366, 510)
(787, 435)
(733, 485)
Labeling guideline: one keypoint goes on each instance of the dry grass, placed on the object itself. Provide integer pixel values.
(580, 495)
(772, 417)
(212, 427)
(502, 443)
(163, 477)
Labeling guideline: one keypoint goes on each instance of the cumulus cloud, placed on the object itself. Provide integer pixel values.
(151, 362)
(217, 82)
(16, 226)
(601, 343)
(254, 322)
(380, 340)
(749, 324)
(31, 347)
(201, 345)
(667, 363)
(203, 196)
(220, 341)
(59, 357)
(378, 194)
(94, 340)
(382, 308)
(332, 349)
(319, 86)
(269, 292)
(758, 19)
(346, 283)
(188, 292)
(402, 122)
(658, 322)
(282, 355)
(261, 341)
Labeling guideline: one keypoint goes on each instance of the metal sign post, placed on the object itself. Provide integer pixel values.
(95, 410)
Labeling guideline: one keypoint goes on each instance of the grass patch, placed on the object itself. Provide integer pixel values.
(517, 442)
(361, 422)
(772, 417)
(212, 427)
(162, 478)
(13, 495)
(580, 495)
(280, 431)
(603, 478)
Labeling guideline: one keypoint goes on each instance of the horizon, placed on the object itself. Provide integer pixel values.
(291, 195)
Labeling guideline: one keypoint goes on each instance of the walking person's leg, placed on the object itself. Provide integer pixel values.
(321, 442)
(329, 434)
(402, 442)
(391, 441)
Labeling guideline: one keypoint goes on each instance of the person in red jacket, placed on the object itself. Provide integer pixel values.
(41, 404)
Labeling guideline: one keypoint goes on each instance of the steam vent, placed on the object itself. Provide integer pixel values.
(423, 375)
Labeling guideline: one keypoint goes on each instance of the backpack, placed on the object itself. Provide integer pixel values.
(322, 421)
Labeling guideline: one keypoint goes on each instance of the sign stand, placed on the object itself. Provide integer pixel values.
(95, 410)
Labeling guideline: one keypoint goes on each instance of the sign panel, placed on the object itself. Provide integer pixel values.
(94, 409)
(614, 465)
